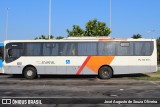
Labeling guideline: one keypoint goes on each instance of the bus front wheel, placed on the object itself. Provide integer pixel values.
(105, 72)
(30, 73)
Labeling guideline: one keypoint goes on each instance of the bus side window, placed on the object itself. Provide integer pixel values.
(73, 51)
(67, 49)
(62, 49)
(123, 49)
(50, 49)
(85, 49)
(143, 48)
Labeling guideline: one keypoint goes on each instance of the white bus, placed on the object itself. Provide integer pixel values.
(80, 56)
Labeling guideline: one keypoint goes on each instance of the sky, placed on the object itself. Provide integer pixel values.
(28, 19)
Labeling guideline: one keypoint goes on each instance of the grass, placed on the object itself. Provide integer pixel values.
(149, 77)
(158, 72)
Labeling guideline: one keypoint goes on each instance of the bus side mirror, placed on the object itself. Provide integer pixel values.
(9, 52)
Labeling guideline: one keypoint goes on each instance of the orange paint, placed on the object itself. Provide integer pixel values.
(83, 65)
(95, 62)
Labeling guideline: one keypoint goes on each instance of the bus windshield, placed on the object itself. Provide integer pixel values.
(13, 51)
(1, 52)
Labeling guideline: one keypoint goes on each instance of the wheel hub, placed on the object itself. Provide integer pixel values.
(29, 73)
(105, 73)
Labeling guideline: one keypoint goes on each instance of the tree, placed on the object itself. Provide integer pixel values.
(59, 37)
(158, 49)
(137, 36)
(96, 28)
(51, 37)
(93, 28)
(77, 31)
(40, 37)
(44, 37)
(35, 38)
(47, 38)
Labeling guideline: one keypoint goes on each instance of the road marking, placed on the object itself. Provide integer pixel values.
(155, 83)
(121, 89)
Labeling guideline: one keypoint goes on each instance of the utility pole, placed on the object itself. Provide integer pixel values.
(7, 23)
(111, 16)
(50, 15)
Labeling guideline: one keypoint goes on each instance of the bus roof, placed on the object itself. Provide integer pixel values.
(82, 39)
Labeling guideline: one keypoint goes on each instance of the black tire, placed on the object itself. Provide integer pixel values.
(30, 73)
(105, 72)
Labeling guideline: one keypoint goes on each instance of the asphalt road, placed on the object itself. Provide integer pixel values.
(78, 87)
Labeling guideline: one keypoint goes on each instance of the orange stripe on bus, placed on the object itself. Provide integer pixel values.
(96, 62)
(83, 65)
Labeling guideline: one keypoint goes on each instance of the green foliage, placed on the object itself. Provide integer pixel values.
(47, 38)
(93, 28)
(59, 37)
(36, 38)
(137, 36)
(77, 31)
(158, 72)
(158, 50)
(51, 37)
(96, 28)
(44, 37)
(147, 78)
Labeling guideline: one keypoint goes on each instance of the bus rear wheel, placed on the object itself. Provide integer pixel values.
(105, 72)
(30, 73)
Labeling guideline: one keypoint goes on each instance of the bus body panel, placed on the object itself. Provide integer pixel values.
(62, 68)
(82, 65)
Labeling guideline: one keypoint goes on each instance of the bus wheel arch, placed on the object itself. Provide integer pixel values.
(105, 72)
(29, 72)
